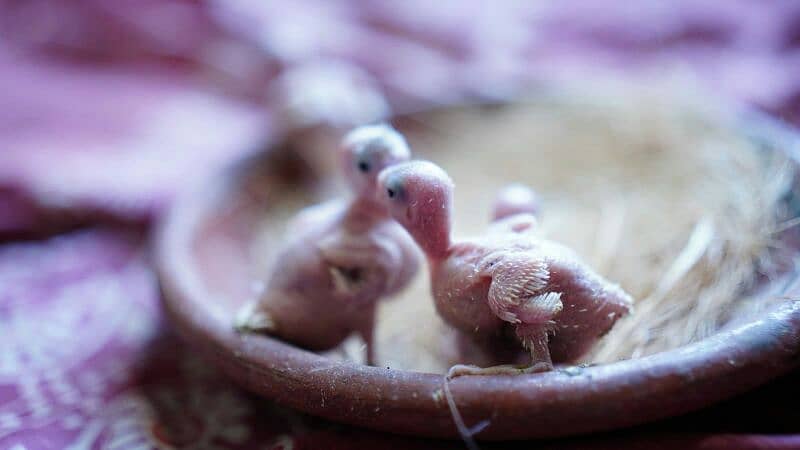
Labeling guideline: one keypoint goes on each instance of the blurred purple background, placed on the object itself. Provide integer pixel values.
(110, 108)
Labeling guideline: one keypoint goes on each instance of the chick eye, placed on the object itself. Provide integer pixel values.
(363, 166)
(390, 192)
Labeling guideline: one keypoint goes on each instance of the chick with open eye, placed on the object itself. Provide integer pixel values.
(339, 257)
(505, 282)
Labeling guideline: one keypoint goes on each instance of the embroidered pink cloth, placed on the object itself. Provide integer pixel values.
(109, 109)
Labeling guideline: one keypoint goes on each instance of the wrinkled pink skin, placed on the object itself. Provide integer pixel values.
(493, 288)
(303, 300)
(591, 304)
(341, 257)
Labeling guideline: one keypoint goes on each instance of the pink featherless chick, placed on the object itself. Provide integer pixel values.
(314, 103)
(515, 198)
(504, 282)
(515, 209)
(340, 257)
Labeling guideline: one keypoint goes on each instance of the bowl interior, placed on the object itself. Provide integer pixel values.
(657, 194)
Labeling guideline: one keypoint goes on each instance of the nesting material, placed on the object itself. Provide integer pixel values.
(657, 193)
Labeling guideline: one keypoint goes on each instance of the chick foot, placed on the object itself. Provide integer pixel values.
(459, 370)
(250, 319)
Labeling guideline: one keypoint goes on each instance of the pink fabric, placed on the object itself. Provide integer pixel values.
(122, 140)
(110, 108)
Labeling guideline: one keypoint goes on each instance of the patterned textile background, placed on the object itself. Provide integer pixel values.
(108, 107)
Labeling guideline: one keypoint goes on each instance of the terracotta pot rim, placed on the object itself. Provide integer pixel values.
(563, 402)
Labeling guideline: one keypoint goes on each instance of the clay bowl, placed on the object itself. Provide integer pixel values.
(204, 262)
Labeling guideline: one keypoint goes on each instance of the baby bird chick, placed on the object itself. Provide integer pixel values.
(515, 199)
(505, 281)
(340, 257)
(314, 103)
(515, 209)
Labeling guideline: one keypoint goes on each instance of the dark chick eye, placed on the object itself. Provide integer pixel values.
(390, 192)
(363, 166)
